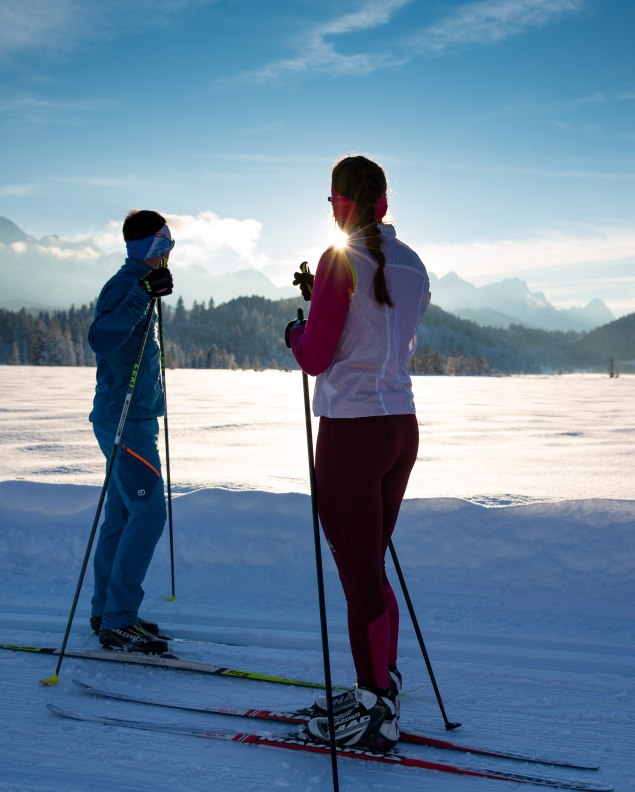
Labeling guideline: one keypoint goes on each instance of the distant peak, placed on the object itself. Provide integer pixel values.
(451, 277)
(10, 232)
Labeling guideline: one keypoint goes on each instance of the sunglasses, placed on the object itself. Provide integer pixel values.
(171, 241)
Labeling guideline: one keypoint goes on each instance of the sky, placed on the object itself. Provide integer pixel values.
(506, 129)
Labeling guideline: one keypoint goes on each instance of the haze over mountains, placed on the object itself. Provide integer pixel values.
(510, 301)
(54, 273)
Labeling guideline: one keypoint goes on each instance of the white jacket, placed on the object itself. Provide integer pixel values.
(369, 373)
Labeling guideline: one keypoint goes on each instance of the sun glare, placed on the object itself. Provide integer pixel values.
(339, 238)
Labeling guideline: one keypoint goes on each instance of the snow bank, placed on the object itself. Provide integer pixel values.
(255, 550)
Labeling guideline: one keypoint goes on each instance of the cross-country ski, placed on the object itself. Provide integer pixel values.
(298, 718)
(297, 743)
(159, 661)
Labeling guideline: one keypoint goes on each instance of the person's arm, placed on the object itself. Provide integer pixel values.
(116, 318)
(314, 344)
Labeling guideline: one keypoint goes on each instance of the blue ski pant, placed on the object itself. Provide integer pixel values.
(134, 518)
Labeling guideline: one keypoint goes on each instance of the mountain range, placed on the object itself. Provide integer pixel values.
(510, 301)
(53, 273)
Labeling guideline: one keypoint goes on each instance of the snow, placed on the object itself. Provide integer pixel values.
(516, 541)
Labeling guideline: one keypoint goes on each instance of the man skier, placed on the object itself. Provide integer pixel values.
(135, 511)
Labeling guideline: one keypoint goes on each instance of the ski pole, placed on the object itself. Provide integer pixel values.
(320, 576)
(167, 447)
(448, 724)
(54, 679)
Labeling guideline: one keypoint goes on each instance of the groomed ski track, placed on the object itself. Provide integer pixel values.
(488, 695)
(532, 646)
(296, 718)
(290, 741)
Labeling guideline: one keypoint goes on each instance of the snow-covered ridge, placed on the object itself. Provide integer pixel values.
(569, 546)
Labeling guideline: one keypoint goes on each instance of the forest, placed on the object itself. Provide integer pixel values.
(247, 333)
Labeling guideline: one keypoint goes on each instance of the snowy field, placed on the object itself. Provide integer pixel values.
(527, 610)
(493, 440)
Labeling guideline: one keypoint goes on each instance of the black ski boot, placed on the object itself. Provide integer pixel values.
(150, 627)
(132, 639)
(370, 722)
(395, 688)
(346, 700)
(341, 702)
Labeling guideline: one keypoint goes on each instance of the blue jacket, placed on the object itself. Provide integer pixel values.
(115, 337)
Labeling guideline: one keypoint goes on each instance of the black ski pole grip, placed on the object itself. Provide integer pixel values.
(300, 315)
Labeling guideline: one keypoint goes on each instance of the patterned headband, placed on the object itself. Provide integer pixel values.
(151, 246)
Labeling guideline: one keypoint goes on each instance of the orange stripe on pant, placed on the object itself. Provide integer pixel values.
(140, 458)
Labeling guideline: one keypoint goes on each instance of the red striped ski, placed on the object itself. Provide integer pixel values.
(296, 743)
(300, 718)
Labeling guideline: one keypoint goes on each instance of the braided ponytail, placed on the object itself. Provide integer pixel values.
(372, 238)
(364, 182)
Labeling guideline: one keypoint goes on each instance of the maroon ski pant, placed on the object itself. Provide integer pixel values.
(362, 467)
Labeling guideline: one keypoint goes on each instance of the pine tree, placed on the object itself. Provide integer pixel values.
(14, 355)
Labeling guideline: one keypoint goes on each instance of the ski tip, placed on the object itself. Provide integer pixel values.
(52, 680)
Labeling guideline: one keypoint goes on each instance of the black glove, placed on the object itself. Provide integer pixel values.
(157, 283)
(290, 327)
(304, 280)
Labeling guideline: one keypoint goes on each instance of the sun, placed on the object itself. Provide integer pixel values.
(339, 238)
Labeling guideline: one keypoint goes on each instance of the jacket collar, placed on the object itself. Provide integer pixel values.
(136, 266)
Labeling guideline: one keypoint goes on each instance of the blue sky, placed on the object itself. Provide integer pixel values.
(506, 128)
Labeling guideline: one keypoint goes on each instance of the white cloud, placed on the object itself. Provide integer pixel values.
(17, 189)
(603, 97)
(570, 268)
(108, 238)
(469, 24)
(59, 26)
(98, 181)
(58, 248)
(485, 259)
(86, 253)
(36, 109)
(217, 244)
(489, 21)
(317, 52)
(32, 24)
